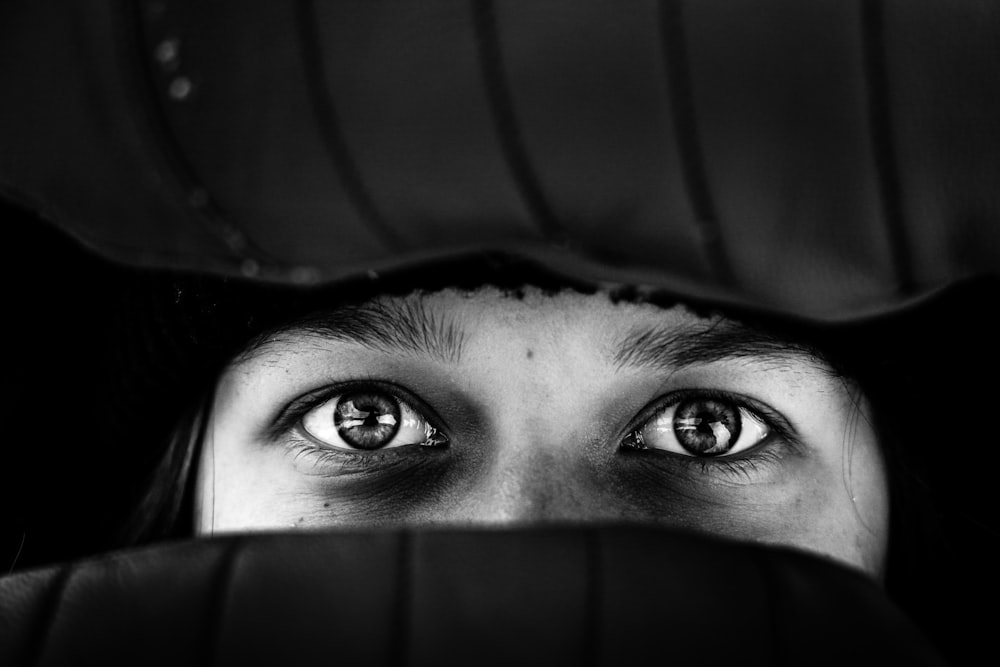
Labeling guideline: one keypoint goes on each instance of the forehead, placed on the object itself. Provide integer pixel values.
(447, 324)
(532, 312)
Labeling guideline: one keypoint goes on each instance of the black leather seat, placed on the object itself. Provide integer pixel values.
(555, 596)
(826, 159)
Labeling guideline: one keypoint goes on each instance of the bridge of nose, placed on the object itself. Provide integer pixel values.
(541, 376)
(534, 484)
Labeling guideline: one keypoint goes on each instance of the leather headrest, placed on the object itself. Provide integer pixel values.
(594, 596)
(825, 159)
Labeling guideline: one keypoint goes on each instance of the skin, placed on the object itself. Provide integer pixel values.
(539, 405)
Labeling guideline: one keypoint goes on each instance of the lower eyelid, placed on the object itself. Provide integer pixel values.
(740, 468)
(329, 461)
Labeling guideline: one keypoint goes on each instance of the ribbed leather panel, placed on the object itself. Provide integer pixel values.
(823, 158)
(598, 596)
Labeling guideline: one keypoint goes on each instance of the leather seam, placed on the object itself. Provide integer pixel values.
(324, 110)
(50, 612)
(507, 126)
(680, 93)
(876, 74)
(218, 601)
(404, 601)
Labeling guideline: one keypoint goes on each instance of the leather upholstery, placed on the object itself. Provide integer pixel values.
(826, 159)
(595, 596)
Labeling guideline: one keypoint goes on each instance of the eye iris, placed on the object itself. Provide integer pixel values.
(366, 420)
(706, 427)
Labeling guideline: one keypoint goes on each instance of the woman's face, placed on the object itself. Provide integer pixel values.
(485, 408)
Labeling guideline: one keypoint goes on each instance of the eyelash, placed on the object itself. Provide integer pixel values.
(770, 451)
(781, 440)
(287, 426)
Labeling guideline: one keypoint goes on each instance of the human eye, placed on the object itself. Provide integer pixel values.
(366, 419)
(703, 425)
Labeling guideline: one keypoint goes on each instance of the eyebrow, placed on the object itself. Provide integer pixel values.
(665, 348)
(388, 326)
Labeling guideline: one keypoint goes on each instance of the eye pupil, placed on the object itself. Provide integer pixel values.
(706, 427)
(367, 420)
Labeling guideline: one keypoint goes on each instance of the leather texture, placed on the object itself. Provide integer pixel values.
(820, 158)
(555, 596)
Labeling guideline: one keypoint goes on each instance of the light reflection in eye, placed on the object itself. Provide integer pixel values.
(701, 427)
(368, 420)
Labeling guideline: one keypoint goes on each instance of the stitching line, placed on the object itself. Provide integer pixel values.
(222, 583)
(508, 129)
(325, 113)
(404, 603)
(154, 129)
(50, 611)
(680, 91)
(883, 146)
